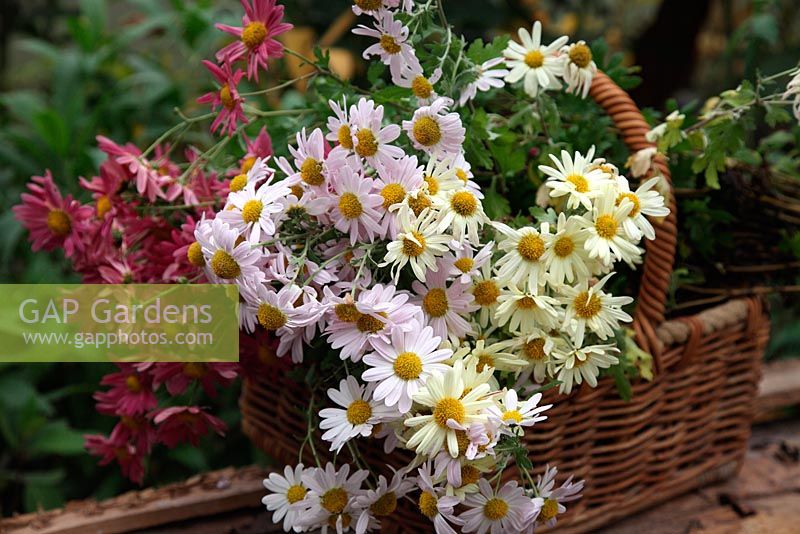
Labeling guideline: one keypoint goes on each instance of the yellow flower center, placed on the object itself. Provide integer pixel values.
(311, 172)
(248, 163)
(369, 324)
(133, 383)
(295, 493)
(226, 97)
(195, 255)
(408, 366)
(224, 265)
(433, 184)
(486, 292)
(606, 226)
(637, 206)
(412, 249)
(270, 317)
(580, 55)
(462, 175)
(195, 370)
(586, 306)
(449, 408)
(237, 183)
(419, 203)
(549, 509)
(251, 211)
(530, 247)
(254, 34)
(334, 500)
(392, 194)
(367, 145)
(581, 184)
(426, 131)
(421, 87)
(343, 136)
(464, 203)
(103, 206)
(428, 504)
(435, 302)
(464, 264)
(347, 313)
(534, 59)
(59, 222)
(495, 509)
(350, 206)
(526, 303)
(384, 506)
(484, 360)
(534, 349)
(333, 519)
(297, 191)
(513, 415)
(563, 247)
(359, 412)
(469, 474)
(369, 5)
(389, 44)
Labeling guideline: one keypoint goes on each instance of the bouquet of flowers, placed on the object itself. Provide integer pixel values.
(376, 252)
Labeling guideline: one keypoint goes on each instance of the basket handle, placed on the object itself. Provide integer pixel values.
(660, 253)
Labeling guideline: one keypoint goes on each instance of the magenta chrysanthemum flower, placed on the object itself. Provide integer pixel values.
(148, 180)
(52, 221)
(261, 23)
(181, 424)
(131, 392)
(226, 98)
(113, 448)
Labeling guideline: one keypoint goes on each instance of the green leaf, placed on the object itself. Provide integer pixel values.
(375, 71)
(496, 205)
(776, 115)
(56, 438)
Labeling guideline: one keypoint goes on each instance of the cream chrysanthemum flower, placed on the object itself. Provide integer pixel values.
(494, 356)
(510, 414)
(577, 178)
(539, 66)
(565, 258)
(382, 501)
(485, 292)
(418, 243)
(440, 178)
(462, 213)
(580, 69)
(607, 240)
(535, 348)
(393, 182)
(646, 201)
(522, 262)
(435, 130)
(583, 363)
(592, 308)
(523, 311)
(444, 395)
(286, 492)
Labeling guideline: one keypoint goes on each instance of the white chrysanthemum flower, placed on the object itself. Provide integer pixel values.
(403, 365)
(382, 501)
(641, 161)
(393, 182)
(565, 258)
(535, 348)
(286, 492)
(462, 263)
(592, 308)
(522, 263)
(228, 259)
(419, 244)
(510, 414)
(435, 130)
(440, 178)
(462, 212)
(444, 394)
(494, 356)
(251, 211)
(524, 311)
(392, 47)
(793, 91)
(579, 364)
(506, 510)
(576, 178)
(332, 496)
(607, 240)
(487, 78)
(445, 307)
(554, 497)
(463, 170)
(358, 414)
(485, 291)
(540, 66)
(646, 201)
(580, 69)
(371, 140)
(412, 77)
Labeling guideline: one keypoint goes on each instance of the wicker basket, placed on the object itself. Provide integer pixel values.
(686, 428)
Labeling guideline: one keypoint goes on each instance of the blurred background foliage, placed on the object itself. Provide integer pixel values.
(73, 69)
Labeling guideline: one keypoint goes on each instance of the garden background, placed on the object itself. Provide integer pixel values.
(71, 69)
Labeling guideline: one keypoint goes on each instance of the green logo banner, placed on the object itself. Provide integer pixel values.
(121, 323)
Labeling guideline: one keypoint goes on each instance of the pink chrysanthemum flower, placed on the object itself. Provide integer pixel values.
(445, 306)
(274, 310)
(52, 221)
(131, 392)
(552, 498)
(413, 77)
(227, 258)
(262, 22)
(181, 424)
(435, 130)
(251, 211)
(148, 181)
(226, 98)
(507, 510)
(463, 264)
(392, 46)
(376, 8)
(339, 126)
(309, 160)
(352, 205)
(371, 139)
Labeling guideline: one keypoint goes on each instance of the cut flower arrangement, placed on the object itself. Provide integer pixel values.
(376, 252)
